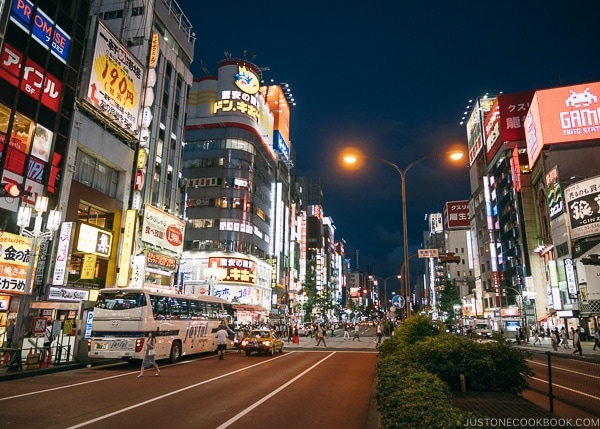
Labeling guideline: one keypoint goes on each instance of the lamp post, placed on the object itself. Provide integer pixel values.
(521, 306)
(385, 307)
(353, 158)
(37, 235)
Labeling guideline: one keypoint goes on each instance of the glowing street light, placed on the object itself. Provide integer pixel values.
(354, 156)
(37, 235)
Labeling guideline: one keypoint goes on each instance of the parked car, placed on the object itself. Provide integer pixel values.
(261, 341)
(305, 330)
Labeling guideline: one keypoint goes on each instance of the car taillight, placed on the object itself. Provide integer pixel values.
(89, 344)
(139, 344)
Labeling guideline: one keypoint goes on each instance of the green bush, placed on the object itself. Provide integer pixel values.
(412, 330)
(491, 366)
(410, 397)
(420, 366)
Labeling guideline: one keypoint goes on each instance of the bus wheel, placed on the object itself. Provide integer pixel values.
(175, 352)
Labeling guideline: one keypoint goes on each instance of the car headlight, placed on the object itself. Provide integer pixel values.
(267, 343)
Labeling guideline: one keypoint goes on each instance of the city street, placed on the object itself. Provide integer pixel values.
(329, 387)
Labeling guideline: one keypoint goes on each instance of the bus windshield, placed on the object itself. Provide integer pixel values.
(120, 300)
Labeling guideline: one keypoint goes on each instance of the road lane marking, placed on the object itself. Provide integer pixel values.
(270, 395)
(560, 386)
(175, 392)
(560, 368)
(83, 383)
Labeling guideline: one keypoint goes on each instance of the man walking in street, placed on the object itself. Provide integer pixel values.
(577, 342)
(356, 332)
(597, 339)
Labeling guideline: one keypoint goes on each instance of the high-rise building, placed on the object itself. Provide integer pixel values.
(238, 166)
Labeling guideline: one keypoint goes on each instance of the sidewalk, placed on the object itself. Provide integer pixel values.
(587, 347)
(367, 342)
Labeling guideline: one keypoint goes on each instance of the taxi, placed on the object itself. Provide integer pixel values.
(261, 341)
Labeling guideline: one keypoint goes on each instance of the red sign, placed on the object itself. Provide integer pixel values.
(456, 214)
(505, 122)
(37, 83)
(562, 115)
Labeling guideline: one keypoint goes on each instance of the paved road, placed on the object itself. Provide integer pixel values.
(303, 387)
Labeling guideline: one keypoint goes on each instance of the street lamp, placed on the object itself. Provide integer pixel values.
(521, 307)
(352, 158)
(37, 235)
(385, 287)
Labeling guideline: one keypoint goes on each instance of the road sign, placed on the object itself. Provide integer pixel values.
(398, 301)
(428, 253)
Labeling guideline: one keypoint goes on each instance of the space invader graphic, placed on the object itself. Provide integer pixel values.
(581, 99)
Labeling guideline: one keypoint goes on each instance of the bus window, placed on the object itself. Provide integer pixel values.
(195, 310)
(185, 309)
(120, 300)
(159, 307)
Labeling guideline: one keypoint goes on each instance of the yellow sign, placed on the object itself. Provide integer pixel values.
(88, 269)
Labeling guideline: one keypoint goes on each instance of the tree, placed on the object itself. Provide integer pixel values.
(448, 297)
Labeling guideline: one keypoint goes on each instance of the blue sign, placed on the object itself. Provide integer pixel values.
(44, 31)
(281, 146)
(398, 301)
(88, 325)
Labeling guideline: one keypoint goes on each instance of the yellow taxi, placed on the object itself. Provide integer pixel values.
(261, 341)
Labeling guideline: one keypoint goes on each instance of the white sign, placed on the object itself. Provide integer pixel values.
(428, 253)
(162, 230)
(62, 253)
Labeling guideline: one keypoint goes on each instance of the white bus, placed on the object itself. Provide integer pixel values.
(183, 324)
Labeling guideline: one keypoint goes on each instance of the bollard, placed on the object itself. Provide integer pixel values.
(463, 386)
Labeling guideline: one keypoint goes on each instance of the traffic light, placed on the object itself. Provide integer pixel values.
(12, 190)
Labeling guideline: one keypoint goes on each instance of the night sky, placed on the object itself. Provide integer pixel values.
(394, 78)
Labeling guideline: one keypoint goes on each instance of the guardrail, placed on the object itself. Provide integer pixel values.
(34, 357)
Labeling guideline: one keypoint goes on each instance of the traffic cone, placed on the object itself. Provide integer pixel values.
(6, 358)
(48, 359)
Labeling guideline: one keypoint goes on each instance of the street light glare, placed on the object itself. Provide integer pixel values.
(350, 159)
(457, 155)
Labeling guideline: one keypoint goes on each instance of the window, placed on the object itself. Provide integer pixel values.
(97, 175)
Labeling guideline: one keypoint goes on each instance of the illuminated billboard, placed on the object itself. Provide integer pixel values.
(505, 122)
(15, 254)
(456, 214)
(162, 230)
(114, 87)
(43, 31)
(562, 115)
(583, 203)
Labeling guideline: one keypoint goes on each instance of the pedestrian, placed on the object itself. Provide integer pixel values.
(239, 337)
(222, 337)
(564, 340)
(10, 330)
(150, 355)
(597, 339)
(356, 332)
(554, 341)
(48, 339)
(536, 338)
(317, 334)
(296, 337)
(379, 332)
(323, 335)
(577, 343)
(332, 328)
(346, 332)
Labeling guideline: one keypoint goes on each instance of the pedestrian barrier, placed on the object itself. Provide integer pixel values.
(552, 386)
(37, 357)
